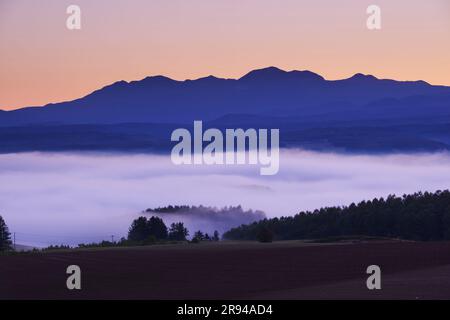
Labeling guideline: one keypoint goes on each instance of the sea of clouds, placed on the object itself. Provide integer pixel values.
(69, 198)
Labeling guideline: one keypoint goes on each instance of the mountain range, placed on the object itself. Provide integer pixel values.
(361, 113)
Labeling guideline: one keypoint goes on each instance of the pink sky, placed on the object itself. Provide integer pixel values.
(42, 61)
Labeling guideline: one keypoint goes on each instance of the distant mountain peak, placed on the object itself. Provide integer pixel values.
(157, 78)
(264, 72)
(274, 73)
(209, 78)
(361, 76)
(306, 74)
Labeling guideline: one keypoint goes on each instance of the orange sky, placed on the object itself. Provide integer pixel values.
(41, 61)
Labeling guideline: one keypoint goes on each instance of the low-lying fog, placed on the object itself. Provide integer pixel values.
(68, 198)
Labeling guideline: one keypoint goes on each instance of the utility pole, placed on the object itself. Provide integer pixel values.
(14, 241)
(112, 238)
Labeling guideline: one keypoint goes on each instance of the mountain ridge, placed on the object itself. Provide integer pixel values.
(268, 91)
(358, 114)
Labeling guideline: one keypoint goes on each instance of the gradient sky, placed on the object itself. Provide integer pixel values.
(41, 61)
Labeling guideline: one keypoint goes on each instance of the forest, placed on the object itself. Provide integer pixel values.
(419, 216)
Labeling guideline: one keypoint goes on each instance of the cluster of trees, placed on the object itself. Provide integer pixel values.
(420, 216)
(200, 236)
(149, 230)
(169, 209)
(5, 236)
(154, 229)
(208, 211)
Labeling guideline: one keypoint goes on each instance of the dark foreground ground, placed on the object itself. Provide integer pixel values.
(230, 270)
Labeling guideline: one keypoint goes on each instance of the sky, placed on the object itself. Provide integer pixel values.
(41, 61)
(73, 198)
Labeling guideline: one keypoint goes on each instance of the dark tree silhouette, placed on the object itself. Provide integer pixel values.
(5, 236)
(216, 236)
(139, 230)
(265, 235)
(178, 232)
(157, 228)
(420, 216)
(199, 236)
(143, 229)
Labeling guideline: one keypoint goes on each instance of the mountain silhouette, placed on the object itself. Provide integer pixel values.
(360, 113)
(265, 92)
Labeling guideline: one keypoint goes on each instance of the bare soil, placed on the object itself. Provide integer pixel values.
(234, 270)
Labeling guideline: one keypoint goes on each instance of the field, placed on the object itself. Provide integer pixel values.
(234, 270)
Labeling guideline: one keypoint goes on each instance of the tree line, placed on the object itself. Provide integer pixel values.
(5, 236)
(419, 216)
(143, 231)
(153, 230)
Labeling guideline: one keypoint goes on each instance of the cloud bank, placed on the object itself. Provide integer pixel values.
(54, 198)
(209, 219)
